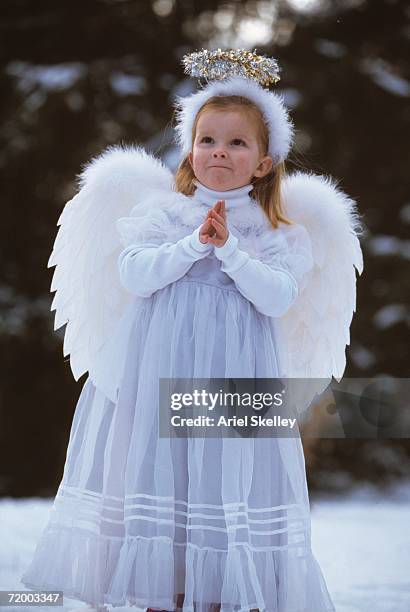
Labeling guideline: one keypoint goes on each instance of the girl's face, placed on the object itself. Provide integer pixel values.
(225, 153)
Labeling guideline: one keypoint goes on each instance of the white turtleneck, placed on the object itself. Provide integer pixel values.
(147, 268)
(233, 198)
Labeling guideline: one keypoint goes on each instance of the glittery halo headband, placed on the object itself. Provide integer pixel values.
(240, 73)
(218, 64)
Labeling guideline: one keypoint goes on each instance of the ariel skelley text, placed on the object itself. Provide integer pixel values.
(254, 420)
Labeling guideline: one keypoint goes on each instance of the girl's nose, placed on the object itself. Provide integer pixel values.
(219, 153)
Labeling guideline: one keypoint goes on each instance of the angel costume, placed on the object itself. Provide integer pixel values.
(196, 524)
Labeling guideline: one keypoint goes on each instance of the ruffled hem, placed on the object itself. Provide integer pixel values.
(79, 563)
(150, 573)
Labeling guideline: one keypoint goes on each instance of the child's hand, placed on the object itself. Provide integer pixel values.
(218, 220)
(207, 230)
(215, 230)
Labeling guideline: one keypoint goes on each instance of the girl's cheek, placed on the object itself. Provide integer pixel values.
(242, 163)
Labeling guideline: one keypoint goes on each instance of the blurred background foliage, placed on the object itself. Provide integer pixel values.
(78, 76)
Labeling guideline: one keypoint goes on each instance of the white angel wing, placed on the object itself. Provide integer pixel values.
(89, 297)
(317, 326)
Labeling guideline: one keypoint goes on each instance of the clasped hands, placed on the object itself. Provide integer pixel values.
(214, 230)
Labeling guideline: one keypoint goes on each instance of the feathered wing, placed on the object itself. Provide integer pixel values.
(89, 297)
(317, 326)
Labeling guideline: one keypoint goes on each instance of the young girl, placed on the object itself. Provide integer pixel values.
(228, 271)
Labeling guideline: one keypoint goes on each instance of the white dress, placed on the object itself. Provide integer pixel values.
(138, 519)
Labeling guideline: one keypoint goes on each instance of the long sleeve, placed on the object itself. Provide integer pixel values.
(272, 284)
(145, 268)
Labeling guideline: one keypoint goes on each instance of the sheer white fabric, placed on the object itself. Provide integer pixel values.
(289, 249)
(271, 280)
(141, 520)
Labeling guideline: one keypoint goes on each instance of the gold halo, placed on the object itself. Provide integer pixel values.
(222, 64)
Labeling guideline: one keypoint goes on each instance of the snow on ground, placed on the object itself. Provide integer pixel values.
(361, 541)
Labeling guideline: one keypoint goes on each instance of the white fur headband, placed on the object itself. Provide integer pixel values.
(271, 105)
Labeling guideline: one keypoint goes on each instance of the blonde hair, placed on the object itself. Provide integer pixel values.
(267, 189)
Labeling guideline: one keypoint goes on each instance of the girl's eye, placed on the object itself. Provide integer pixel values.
(235, 140)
